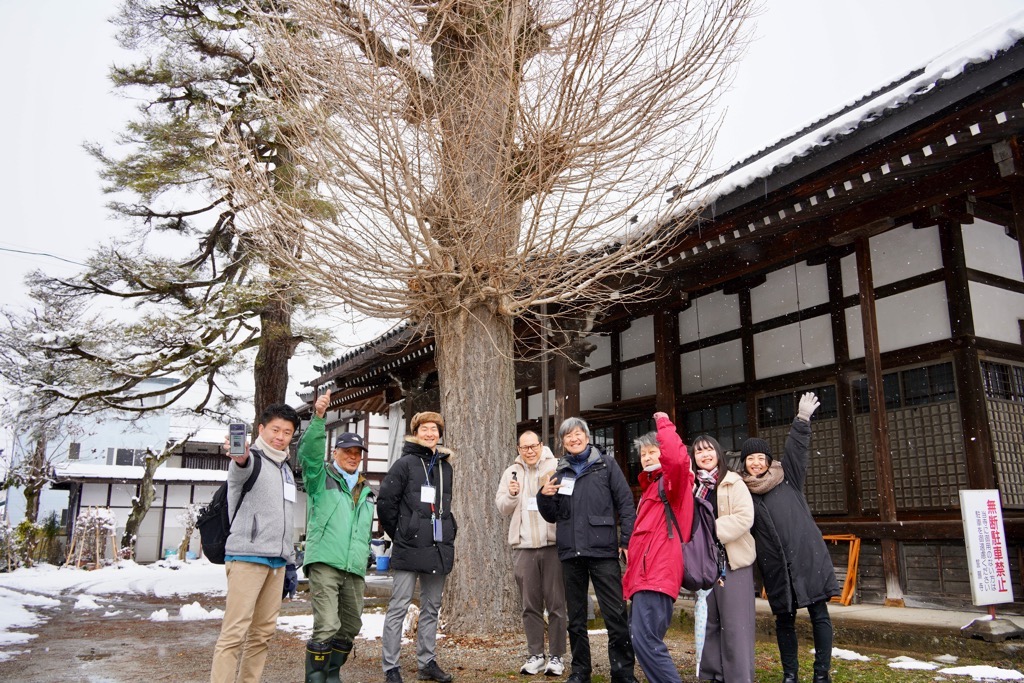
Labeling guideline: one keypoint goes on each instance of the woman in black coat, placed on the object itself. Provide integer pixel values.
(794, 561)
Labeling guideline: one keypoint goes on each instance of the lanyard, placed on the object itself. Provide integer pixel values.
(440, 480)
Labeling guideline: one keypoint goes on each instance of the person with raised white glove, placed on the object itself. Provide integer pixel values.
(793, 559)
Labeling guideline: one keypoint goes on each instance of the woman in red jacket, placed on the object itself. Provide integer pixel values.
(655, 571)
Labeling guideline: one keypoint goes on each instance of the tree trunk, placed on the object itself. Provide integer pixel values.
(140, 506)
(35, 479)
(474, 364)
(270, 371)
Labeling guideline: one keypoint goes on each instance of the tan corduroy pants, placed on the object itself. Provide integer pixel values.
(250, 619)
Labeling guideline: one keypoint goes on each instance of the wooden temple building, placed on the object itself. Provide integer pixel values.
(876, 257)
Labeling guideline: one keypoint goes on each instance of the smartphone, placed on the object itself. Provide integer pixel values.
(513, 476)
(236, 438)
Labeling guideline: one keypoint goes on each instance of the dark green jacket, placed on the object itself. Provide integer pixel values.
(338, 521)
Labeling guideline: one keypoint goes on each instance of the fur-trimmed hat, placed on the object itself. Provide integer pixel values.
(755, 445)
(426, 416)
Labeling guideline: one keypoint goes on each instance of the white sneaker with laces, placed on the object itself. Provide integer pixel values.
(534, 665)
(554, 667)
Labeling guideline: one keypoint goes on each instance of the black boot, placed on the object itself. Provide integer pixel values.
(822, 678)
(789, 678)
(340, 650)
(317, 656)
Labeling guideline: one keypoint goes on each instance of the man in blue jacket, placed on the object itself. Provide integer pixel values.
(339, 518)
(583, 497)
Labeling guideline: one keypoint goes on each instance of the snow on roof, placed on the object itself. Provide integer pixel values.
(981, 48)
(82, 470)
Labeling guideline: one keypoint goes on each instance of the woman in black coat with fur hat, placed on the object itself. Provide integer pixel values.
(794, 561)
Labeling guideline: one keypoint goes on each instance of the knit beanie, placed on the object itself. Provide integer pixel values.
(755, 445)
(427, 416)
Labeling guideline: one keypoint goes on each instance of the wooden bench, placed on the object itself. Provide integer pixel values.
(847, 576)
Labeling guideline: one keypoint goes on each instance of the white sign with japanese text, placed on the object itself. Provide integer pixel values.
(987, 560)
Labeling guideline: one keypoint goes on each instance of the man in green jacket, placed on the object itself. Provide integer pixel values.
(339, 516)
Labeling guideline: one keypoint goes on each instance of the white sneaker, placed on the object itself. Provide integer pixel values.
(534, 665)
(555, 667)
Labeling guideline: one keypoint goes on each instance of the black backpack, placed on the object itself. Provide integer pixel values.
(213, 522)
(704, 555)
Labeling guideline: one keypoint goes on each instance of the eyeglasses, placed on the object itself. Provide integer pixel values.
(530, 447)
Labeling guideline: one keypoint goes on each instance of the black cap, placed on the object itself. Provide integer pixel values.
(349, 440)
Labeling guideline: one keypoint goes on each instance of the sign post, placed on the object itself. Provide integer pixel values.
(988, 563)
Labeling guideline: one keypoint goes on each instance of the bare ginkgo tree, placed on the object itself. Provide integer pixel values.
(460, 163)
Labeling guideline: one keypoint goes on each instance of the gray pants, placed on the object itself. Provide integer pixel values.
(729, 638)
(431, 587)
(538, 573)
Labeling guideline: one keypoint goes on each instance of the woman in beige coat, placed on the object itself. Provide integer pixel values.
(728, 653)
(536, 566)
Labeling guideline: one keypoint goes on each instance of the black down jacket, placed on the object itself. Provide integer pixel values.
(408, 521)
(793, 559)
(585, 521)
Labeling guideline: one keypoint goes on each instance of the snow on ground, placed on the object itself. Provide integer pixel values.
(25, 594)
(302, 626)
(849, 655)
(904, 662)
(984, 673)
(15, 614)
(164, 579)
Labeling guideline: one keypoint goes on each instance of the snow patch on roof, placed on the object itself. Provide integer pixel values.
(82, 470)
(981, 48)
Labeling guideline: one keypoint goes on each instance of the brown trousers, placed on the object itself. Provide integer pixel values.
(538, 573)
(250, 619)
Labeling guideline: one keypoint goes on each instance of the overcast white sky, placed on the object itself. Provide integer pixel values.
(808, 58)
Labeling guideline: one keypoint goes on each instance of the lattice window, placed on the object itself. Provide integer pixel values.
(727, 423)
(1006, 424)
(1003, 381)
(825, 487)
(928, 461)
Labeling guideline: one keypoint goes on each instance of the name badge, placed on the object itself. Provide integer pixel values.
(531, 503)
(289, 491)
(437, 529)
(428, 494)
(568, 484)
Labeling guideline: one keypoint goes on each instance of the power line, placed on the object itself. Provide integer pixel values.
(42, 253)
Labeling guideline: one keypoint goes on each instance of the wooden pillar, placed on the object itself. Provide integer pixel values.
(970, 386)
(844, 388)
(879, 421)
(747, 349)
(567, 390)
(666, 362)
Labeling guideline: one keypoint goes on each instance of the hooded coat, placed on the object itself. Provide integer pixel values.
(791, 554)
(407, 520)
(655, 560)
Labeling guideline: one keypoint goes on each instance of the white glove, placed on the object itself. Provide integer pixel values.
(808, 404)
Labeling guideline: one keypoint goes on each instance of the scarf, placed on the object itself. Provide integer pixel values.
(767, 481)
(272, 453)
(706, 482)
(350, 479)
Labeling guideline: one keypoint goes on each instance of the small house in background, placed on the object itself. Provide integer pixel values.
(875, 257)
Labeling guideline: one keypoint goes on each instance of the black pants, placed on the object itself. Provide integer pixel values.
(821, 627)
(607, 579)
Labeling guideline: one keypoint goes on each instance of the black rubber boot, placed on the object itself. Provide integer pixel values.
(340, 650)
(789, 678)
(317, 657)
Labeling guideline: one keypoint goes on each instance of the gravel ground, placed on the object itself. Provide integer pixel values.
(84, 645)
